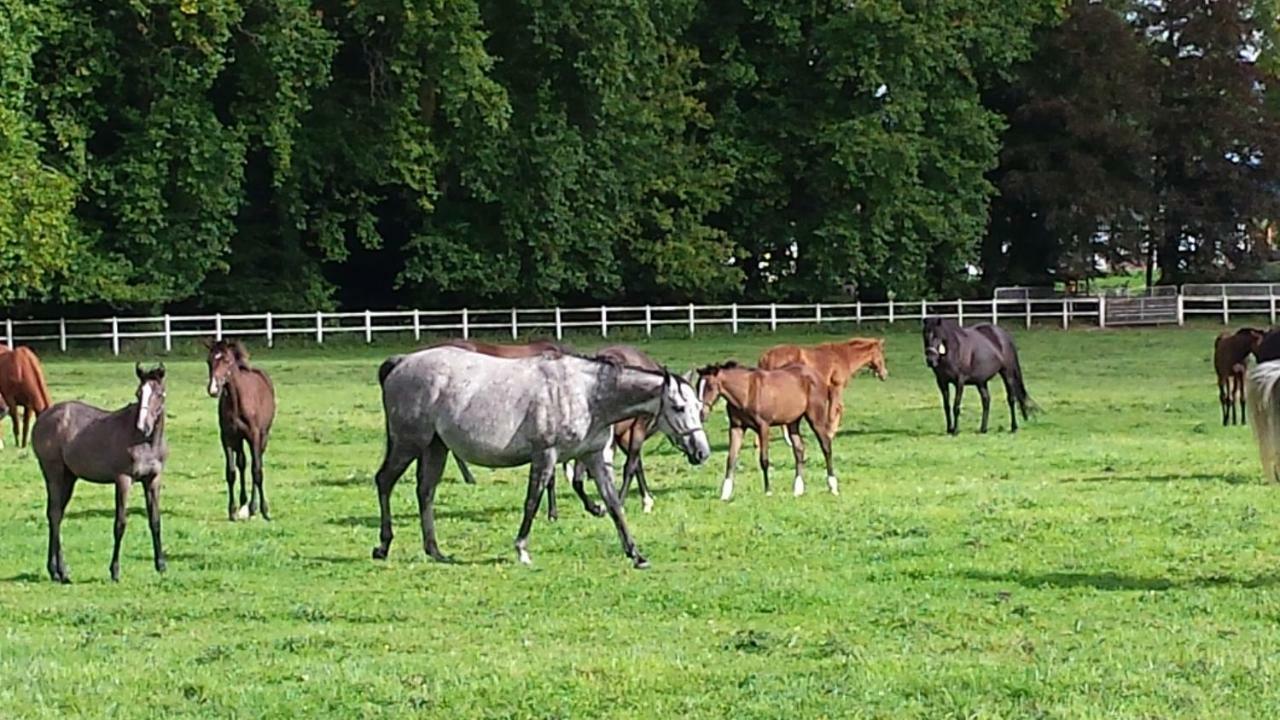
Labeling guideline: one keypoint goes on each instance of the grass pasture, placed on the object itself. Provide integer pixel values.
(1118, 557)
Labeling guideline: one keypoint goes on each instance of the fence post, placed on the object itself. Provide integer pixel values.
(648, 320)
(168, 339)
(62, 331)
(8, 332)
(604, 321)
(923, 303)
(368, 326)
(217, 326)
(515, 324)
(466, 325)
(857, 311)
(690, 319)
(733, 318)
(1182, 313)
(271, 338)
(1066, 320)
(1273, 309)
(319, 328)
(115, 335)
(773, 317)
(1026, 304)
(817, 313)
(417, 324)
(995, 312)
(1102, 311)
(559, 327)
(1226, 308)
(959, 311)
(890, 310)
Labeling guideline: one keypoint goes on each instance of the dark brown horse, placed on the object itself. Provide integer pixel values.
(246, 409)
(836, 363)
(1231, 360)
(758, 399)
(629, 434)
(73, 440)
(962, 356)
(536, 347)
(22, 385)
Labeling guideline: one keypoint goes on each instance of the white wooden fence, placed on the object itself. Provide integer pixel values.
(524, 322)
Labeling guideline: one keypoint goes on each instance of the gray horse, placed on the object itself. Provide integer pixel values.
(499, 412)
(74, 440)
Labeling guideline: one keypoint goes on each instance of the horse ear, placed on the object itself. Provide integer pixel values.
(690, 376)
(207, 342)
(241, 352)
(137, 369)
(160, 371)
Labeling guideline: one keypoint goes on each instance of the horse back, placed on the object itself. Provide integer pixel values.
(248, 405)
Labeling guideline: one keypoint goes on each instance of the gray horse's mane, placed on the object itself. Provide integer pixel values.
(615, 363)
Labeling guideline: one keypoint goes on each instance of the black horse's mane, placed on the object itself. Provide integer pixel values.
(717, 367)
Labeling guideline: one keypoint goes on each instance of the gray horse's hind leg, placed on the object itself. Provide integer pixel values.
(467, 477)
(541, 470)
(430, 466)
(393, 466)
(123, 484)
(603, 475)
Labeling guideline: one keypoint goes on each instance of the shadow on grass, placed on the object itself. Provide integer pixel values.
(1115, 581)
(350, 481)
(470, 514)
(27, 577)
(1228, 478)
(139, 513)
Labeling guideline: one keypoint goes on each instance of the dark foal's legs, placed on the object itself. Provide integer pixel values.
(152, 487)
(1244, 417)
(430, 467)
(955, 409)
(58, 484)
(258, 500)
(541, 469)
(602, 472)
(244, 512)
(393, 466)
(985, 394)
(229, 454)
(944, 387)
(642, 481)
(595, 508)
(797, 449)
(1011, 397)
(123, 483)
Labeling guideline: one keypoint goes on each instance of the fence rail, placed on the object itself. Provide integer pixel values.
(523, 322)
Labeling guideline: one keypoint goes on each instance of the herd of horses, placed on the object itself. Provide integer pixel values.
(539, 404)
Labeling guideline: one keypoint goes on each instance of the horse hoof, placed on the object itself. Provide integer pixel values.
(648, 503)
(379, 553)
(242, 513)
(598, 510)
(161, 566)
(641, 563)
(524, 558)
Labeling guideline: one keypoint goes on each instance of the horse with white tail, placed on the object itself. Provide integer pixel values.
(540, 411)
(1263, 401)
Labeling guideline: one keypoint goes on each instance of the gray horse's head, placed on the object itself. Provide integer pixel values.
(150, 398)
(680, 418)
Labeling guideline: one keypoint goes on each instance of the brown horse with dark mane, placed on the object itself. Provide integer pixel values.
(758, 399)
(22, 385)
(246, 409)
(1231, 352)
(836, 363)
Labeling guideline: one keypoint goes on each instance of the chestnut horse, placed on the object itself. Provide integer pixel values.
(836, 363)
(537, 347)
(1231, 360)
(758, 399)
(22, 384)
(246, 409)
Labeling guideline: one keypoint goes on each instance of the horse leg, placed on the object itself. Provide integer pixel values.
(797, 449)
(122, 510)
(1244, 417)
(467, 477)
(257, 448)
(430, 467)
(735, 446)
(1224, 399)
(13, 415)
(955, 409)
(27, 413)
(58, 484)
(945, 388)
(643, 482)
(553, 512)
(540, 470)
(762, 434)
(1011, 397)
(152, 488)
(579, 469)
(229, 455)
(985, 394)
(602, 472)
(245, 512)
(394, 464)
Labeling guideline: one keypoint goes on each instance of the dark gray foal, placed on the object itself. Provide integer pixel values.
(74, 441)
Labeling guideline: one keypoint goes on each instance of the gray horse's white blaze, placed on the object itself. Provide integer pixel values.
(506, 412)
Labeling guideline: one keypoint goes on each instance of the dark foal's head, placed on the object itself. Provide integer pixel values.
(150, 396)
(936, 335)
(225, 356)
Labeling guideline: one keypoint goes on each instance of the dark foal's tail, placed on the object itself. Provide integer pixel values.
(1019, 388)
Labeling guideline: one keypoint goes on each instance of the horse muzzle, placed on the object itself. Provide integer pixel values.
(696, 447)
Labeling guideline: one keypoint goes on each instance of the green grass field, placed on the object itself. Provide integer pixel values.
(1118, 557)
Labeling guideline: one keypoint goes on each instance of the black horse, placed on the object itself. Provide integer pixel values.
(972, 356)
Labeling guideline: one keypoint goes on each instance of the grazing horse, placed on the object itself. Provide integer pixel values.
(246, 409)
(836, 363)
(757, 399)
(629, 434)
(538, 411)
(537, 347)
(74, 440)
(1231, 360)
(22, 384)
(972, 356)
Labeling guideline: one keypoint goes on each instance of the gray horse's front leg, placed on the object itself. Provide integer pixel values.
(602, 472)
(541, 469)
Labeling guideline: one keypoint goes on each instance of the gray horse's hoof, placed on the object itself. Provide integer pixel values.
(598, 510)
(379, 553)
(161, 565)
(640, 562)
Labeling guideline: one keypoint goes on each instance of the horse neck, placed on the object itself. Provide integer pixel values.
(855, 355)
(632, 392)
(735, 387)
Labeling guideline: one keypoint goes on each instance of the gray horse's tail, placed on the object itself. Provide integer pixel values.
(1260, 391)
(387, 366)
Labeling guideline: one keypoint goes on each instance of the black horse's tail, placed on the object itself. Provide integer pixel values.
(1019, 388)
(387, 366)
